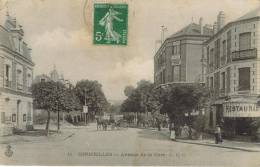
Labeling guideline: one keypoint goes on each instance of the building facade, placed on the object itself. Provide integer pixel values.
(16, 75)
(178, 60)
(232, 74)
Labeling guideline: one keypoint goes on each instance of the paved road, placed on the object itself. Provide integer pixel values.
(123, 147)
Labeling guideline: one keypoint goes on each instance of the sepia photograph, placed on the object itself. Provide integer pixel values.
(130, 83)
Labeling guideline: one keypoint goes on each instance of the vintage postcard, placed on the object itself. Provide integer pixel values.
(130, 82)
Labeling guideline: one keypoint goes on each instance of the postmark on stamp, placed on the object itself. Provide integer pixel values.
(110, 24)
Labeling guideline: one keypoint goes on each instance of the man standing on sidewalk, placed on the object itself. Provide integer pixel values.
(218, 136)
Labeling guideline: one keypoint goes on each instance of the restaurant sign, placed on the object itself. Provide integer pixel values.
(241, 109)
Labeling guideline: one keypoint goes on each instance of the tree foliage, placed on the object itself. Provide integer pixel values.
(52, 97)
(177, 100)
(91, 92)
(138, 98)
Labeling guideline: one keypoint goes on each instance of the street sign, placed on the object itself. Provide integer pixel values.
(85, 109)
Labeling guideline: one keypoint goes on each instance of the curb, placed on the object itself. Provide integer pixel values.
(220, 146)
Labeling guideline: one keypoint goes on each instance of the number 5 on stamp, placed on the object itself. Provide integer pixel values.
(110, 24)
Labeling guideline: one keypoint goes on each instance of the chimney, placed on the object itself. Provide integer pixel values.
(220, 20)
(201, 26)
(215, 28)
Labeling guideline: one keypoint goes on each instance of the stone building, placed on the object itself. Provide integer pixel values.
(16, 74)
(178, 60)
(232, 73)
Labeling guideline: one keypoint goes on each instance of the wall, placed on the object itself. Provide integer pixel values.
(236, 29)
(193, 63)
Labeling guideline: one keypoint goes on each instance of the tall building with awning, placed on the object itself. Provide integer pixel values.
(233, 76)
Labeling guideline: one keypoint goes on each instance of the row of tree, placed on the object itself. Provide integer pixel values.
(176, 100)
(55, 97)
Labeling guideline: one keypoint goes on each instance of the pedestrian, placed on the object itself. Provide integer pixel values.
(172, 132)
(218, 136)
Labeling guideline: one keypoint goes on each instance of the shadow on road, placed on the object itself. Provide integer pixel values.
(152, 134)
(35, 132)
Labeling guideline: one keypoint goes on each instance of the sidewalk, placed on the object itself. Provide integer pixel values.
(38, 135)
(229, 144)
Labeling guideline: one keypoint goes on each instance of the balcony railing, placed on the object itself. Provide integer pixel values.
(244, 54)
(8, 83)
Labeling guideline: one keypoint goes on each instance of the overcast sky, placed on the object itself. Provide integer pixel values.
(57, 33)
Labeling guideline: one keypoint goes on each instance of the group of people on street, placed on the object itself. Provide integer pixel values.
(185, 129)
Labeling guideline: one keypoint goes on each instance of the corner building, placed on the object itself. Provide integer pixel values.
(233, 73)
(178, 60)
(16, 75)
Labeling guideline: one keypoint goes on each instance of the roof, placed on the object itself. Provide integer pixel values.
(7, 40)
(193, 29)
(251, 14)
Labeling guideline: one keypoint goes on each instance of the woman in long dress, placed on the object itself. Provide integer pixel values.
(107, 22)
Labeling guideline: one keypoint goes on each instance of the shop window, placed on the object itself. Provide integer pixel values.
(244, 79)
(13, 117)
(245, 41)
(2, 117)
(24, 117)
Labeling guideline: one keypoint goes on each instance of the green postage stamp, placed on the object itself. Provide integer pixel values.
(110, 24)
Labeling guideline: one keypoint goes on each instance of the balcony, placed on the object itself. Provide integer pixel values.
(244, 54)
(8, 84)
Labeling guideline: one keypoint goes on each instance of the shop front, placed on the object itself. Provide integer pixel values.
(238, 116)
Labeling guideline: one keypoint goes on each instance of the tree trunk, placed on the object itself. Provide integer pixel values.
(58, 122)
(47, 124)
(190, 131)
